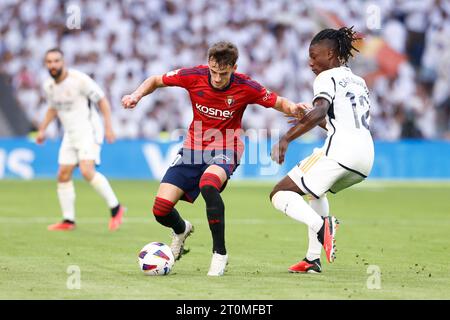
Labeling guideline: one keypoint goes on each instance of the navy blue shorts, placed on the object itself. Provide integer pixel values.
(189, 165)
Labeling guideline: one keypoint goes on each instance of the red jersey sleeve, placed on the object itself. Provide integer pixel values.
(264, 97)
(174, 78)
(184, 77)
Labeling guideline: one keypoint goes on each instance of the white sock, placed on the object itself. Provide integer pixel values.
(322, 207)
(66, 196)
(102, 186)
(292, 204)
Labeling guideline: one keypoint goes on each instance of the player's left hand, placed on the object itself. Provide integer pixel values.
(109, 135)
(279, 151)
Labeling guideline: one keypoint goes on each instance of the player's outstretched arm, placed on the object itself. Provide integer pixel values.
(105, 109)
(290, 108)
(49, 116)
(312, 118)
(294, 120)
(147, 87)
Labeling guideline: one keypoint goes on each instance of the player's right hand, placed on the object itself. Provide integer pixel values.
(40, 137)
(129, 101)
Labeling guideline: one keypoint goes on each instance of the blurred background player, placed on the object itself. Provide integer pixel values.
(341, 106)
(212, 148)
(71, 96)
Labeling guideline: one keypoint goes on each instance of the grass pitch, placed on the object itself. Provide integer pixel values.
(400, 228)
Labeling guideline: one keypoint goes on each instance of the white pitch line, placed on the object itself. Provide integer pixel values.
(131, 220)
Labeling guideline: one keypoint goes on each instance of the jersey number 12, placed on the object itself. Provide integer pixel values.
(362, 99)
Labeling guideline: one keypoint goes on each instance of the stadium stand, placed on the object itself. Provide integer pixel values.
(406, 57)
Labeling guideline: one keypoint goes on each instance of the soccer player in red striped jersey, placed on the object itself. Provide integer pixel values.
(212, 147)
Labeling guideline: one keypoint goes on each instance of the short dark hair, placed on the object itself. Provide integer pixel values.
(224, 53)
(342, 41)
(54, 50)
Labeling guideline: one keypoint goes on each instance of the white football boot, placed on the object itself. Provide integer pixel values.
(218, 265)
(178, 240)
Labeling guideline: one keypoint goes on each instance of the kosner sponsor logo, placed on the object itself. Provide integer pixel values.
(214, 113)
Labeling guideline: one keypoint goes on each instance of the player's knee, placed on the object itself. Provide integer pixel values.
(87, 173)
(64, 175)
(208, 189)
(210, 182)
(210, 185)
(162, 207)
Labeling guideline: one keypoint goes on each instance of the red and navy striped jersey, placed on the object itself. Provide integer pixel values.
(217, 112)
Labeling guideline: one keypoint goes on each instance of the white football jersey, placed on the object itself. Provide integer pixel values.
(74, 99)
(349, 141)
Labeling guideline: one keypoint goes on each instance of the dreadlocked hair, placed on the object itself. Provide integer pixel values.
(342, 40)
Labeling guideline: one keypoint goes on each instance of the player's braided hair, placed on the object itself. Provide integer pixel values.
(342, 40)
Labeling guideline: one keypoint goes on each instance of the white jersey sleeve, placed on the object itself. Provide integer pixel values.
(90, 88)
(324, 87)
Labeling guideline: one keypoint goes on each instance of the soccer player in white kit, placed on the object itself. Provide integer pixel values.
(341, 106)
(71, 96)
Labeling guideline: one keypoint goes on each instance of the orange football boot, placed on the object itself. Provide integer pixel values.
(116, 221)
(306, 266)
(66, 225)
(327, 236)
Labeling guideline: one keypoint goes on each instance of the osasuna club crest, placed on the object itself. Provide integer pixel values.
(229, 101)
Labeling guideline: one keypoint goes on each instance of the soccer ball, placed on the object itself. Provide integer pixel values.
(156, 259)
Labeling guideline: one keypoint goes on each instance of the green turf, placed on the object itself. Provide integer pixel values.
(403, 228)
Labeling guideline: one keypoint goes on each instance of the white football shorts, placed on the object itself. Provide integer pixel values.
(318, 174)
(72, 154)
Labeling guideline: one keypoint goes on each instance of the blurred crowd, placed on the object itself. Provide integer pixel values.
(120, 43)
